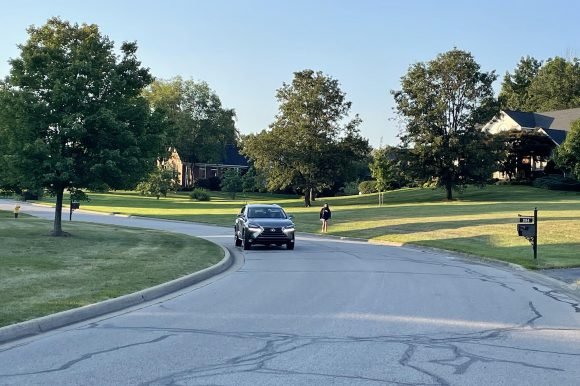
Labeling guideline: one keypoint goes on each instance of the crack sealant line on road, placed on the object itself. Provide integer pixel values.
(571, 289)
(65, 318)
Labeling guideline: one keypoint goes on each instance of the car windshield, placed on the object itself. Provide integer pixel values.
(266, 213)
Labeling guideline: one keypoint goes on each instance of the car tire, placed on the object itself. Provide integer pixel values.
(237, 240)
(290, 245)
(246, 244)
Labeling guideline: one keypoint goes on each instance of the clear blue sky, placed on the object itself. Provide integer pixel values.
(245, 50)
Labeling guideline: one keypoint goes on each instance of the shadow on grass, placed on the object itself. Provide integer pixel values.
(428, 226)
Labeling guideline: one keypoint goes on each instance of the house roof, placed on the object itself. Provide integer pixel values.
(559, 119)
(522, 118)
(558, 136)
(233, 156)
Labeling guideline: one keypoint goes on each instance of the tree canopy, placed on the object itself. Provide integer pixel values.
(514, 94)
(389, 167)
(72, 114)
(159, 182)
(199, 126)
(311, 141)
(443, 104)
(568, 154)
(537, 86)
(232, 182)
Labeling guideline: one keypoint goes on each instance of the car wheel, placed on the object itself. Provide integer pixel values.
(247, 244)
(290, 245)
(237, 240)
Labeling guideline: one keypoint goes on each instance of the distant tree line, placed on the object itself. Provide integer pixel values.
(76, 113)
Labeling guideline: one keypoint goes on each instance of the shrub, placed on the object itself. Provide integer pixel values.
(212, 183)
(367, 187)
(431, 184)
(200, 195)
(555, 182)
(31, 195)
(350, 188)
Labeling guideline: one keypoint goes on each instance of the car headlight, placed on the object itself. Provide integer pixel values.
(254, 227)
(288, 228)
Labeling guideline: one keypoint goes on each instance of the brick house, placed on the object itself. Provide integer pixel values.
(189, 172)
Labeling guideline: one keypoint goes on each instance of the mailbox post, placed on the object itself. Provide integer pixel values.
(73, 206)
(528, 228)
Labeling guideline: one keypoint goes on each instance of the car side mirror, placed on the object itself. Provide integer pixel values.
(290, 217)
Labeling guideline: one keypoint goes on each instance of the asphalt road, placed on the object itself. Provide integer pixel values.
(330, 312)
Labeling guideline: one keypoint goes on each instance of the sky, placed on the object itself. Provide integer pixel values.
(245, 50)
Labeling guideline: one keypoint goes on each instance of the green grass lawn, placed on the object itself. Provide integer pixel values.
(41, 275)
(481, 222)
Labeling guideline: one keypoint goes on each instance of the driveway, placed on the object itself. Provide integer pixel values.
(330, 312)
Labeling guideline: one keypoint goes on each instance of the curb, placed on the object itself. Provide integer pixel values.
(65, 318)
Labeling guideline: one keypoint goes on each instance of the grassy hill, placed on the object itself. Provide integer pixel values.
(480, 221)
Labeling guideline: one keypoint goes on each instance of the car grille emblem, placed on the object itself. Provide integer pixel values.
(273, 230)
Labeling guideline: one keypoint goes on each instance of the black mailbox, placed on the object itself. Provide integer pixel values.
(527, 230)
(75, 205)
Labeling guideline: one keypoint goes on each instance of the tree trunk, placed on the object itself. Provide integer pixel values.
(57, 230)
(307, 197)
(312, 195)
(449, 190)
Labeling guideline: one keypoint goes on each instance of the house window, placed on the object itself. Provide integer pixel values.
(214, 172)
(202, 173)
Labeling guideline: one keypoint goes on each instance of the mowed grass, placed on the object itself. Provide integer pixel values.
(480, 222)
(41, 275)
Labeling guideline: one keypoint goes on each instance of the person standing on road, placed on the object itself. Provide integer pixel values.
(325, 215)
(16, 210)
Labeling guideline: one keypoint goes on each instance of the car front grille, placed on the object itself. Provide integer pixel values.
(272, 234)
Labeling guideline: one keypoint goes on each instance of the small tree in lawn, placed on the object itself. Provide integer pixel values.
(388, 168)
(232, 182)
(159, 182)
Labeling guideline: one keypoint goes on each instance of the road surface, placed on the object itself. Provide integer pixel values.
(330, 312)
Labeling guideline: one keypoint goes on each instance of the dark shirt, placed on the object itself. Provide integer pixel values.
(325, 213)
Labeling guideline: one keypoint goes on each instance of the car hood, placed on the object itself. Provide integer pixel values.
(271, 222)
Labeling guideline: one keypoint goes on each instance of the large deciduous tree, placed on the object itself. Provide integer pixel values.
(443, 104)
(72, 115)
(200, 127)
(311, 142)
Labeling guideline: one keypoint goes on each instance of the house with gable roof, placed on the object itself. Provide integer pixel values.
(553, 125)
(189, 172)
